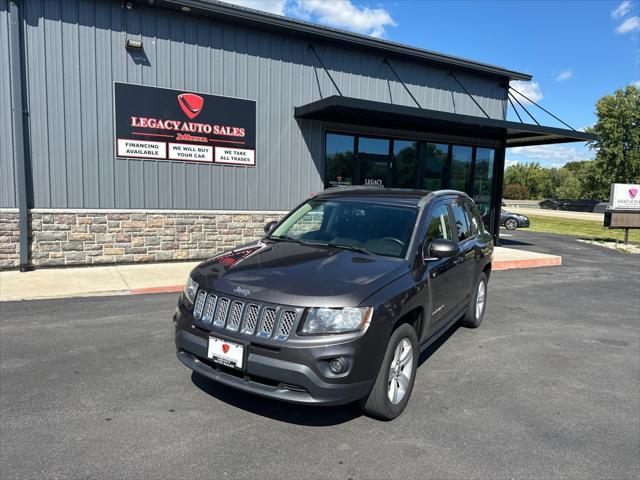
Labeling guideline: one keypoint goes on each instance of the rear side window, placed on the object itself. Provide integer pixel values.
(475, 217)
(461, 221)
(439, 225)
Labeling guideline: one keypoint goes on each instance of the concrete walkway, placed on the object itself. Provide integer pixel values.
(166, 277)
(94, 281)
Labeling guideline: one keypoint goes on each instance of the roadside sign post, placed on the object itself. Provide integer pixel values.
(624, 208)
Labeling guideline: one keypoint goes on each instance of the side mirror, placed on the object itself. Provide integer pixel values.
(440, 248)
(269, 226)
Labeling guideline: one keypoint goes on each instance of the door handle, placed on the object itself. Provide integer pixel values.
(458, 260)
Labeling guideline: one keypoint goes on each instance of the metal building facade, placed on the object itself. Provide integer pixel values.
(74, 51)
(67, 199)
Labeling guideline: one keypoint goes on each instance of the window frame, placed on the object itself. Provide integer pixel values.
(453, 217)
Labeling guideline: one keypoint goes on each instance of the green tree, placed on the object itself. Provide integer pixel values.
(515, 191)
(531, 175)
(618, 144)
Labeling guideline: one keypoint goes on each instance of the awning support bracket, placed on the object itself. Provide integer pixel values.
(388, 63)
(509, 94)
(542, 108)
(451, 74)
(311, 47)
(514, 108)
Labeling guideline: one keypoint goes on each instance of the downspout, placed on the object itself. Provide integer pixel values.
(18, 114)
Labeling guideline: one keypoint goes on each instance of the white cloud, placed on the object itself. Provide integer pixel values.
(636, 83)
(564, 75)
(530, 89)
(631, 24)
(555, 155)
(334, 13)
(344, 14)
(621, 10)
(510, 163)
(271, 6)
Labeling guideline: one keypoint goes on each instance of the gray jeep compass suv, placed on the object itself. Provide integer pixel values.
(335, 303)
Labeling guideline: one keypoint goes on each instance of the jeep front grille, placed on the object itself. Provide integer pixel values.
(265, 321)
(286, 324)
(209, 308)
(250, 319)
(235, 317)
(221, 312)
(199, 305)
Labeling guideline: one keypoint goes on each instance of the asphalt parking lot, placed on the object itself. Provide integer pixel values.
(547, 387)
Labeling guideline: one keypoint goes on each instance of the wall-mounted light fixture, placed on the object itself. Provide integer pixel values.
(133, 44)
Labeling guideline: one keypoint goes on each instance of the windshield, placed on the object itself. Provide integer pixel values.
(365, 226)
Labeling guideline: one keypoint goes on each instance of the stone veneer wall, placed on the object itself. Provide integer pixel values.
(88, 237)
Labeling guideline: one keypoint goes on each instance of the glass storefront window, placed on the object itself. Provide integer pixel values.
(405, 163)
(339, 160)
(435, 159)
(482, 181)
(373, 155)
(460, 172)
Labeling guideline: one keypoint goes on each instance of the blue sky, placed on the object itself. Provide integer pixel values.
(577, 51)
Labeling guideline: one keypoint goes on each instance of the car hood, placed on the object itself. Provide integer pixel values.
(298, 274)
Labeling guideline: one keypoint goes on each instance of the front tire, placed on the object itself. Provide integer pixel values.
(394, 383)
(510, 223)
(477, 304)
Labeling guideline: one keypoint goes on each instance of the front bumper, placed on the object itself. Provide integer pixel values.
(288, 373)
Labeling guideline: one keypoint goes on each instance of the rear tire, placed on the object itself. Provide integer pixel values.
(394, 383)
(477, 304)
(510, 223)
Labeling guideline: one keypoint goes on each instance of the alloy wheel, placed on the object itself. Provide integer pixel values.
(400, 371)
(480, 299)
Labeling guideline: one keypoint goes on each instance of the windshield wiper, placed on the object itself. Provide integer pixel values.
(285, 239)
(348, 247)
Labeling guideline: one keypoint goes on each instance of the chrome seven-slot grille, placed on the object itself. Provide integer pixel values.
(249, 318)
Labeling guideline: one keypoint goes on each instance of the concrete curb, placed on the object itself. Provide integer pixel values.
(167, 289)
(526, 263)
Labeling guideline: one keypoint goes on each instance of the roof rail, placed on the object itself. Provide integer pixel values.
(440, 193)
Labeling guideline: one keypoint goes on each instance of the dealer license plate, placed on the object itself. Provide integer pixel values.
(227, 353)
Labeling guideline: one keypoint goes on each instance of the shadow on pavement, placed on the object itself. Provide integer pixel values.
(313, 416)
(505, 242)
(284, 412)
(433, 348)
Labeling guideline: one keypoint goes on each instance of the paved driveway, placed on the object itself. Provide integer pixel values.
(547, 387)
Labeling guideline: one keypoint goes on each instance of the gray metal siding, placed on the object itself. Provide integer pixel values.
(75, 51)
(8, 194)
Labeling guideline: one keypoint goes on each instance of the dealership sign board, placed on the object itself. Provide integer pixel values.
(162, 124)
(625, 196)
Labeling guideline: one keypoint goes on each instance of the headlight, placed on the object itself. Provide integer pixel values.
(190, 289)
(337, 320)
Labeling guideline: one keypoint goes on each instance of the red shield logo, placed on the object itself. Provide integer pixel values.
(225, 347)
(191, 104)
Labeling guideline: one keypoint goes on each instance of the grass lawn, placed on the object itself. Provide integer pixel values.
(578, 228)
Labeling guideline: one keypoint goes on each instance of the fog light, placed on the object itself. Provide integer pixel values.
(337, 365)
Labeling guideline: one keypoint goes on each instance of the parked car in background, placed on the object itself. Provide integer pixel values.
(571, 205)
(511, 221)
(337, 301)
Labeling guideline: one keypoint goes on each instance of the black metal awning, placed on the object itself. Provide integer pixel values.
(369, 113)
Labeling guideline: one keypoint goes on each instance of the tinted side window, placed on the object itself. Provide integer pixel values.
(460, 219)
(476, 219)
(439, 225)
(473, 222)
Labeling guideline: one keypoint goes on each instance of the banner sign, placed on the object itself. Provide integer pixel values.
(624, 196)
(162, 124)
